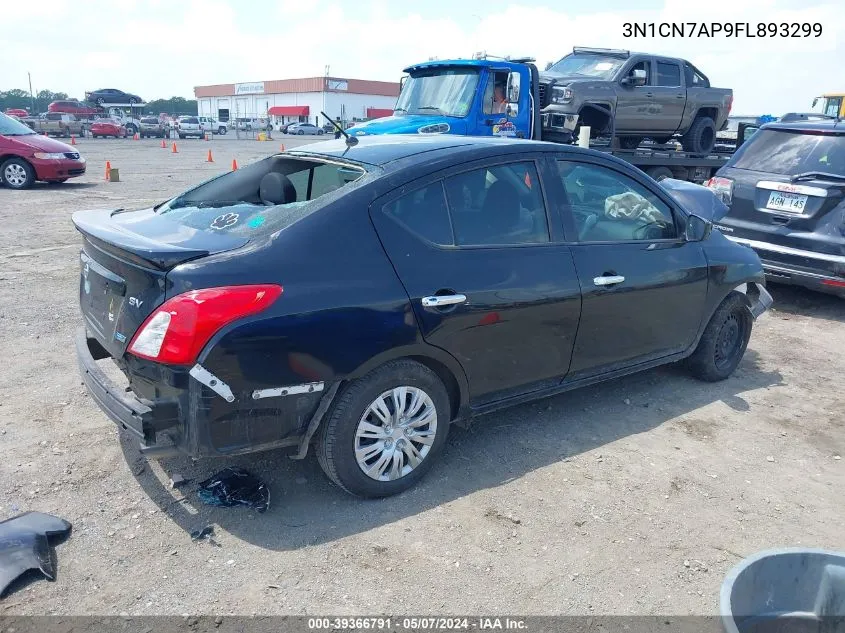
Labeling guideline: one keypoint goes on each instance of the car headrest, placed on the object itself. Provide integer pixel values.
(501, 206)
(276, 188)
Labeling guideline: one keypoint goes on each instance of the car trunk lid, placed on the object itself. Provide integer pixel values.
(124, 263)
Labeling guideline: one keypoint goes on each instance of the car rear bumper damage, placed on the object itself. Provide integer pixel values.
(819, 271)
(192, 411)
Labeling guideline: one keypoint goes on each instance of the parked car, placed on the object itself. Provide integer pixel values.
(283, 127)
(107, 127)
(56, 124)
(76, 108)
(107, 96)
(211, 125)
(277, 304)
(304, 128)
(653, 96)
(251, 124)
(152, 126)
(785, 186)
(189, 126)
(17, 112)
(26, 156)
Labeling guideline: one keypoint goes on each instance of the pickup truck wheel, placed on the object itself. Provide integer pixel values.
(16, 173)
(630, 142)
(701, 136)
(724, 341)
(221, 130)
(659, 173)
(385, 430)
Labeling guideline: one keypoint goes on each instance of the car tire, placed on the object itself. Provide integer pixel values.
(16, 173)
(630, 142)
(724, 341)
(182, 136)
(659, 173)
(701, 136)
(340, 441)
(221, 130)
(301, 132)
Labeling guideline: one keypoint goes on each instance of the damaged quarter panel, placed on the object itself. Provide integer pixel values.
(341, 306)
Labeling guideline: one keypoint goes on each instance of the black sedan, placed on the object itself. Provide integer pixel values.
(111, 96)
(366, 297)
(786, 191)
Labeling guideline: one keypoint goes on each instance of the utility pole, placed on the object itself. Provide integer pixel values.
(325, 88)
(31, 95)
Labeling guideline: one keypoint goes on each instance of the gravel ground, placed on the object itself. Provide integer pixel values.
(632, 497)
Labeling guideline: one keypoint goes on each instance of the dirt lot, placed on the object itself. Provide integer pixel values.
(633, 497)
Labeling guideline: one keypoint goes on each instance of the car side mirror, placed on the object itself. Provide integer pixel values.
(698, 229)
(815, 101)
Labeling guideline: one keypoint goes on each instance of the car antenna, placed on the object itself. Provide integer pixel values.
(350, 140)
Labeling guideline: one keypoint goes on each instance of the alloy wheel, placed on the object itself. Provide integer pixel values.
(15, 175)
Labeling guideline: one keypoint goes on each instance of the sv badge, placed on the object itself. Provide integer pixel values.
(135, 302)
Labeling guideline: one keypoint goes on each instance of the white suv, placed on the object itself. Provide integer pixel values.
(190, 126)
(211, 125)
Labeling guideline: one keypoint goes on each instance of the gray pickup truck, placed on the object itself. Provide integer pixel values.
(56, 124)
(641, 95)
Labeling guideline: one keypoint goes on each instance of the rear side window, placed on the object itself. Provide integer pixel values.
(424, 212)
(668, 74)
(790, 153)
(497, 205)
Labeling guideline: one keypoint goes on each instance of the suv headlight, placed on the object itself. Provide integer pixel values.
(561, 95)
(434, 128)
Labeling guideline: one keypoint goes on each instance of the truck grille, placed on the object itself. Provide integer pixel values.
(543, 92)
(72, 155)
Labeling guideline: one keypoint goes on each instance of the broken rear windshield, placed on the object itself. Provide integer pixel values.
(791, 153)
(261, 198)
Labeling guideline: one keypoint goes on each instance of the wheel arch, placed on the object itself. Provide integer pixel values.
(595, 115)
(708, 111)
(447, 368)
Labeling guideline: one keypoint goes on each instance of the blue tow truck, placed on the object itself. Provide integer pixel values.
(460, 97)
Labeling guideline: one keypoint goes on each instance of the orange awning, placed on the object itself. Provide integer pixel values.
(288, 111)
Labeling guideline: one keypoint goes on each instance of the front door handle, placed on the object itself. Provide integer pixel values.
(649, 94)
(608, 280)
(440, 301)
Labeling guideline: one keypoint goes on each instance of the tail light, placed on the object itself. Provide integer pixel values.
(178, 330)
(722, 187)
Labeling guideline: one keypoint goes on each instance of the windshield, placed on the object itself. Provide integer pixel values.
(602, 66)
(446, 91)
(791, 153)
(10, 127)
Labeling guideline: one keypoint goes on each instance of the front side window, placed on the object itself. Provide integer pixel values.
(610, 207)
(497, 205)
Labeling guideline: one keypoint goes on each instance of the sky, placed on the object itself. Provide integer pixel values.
(163, 48)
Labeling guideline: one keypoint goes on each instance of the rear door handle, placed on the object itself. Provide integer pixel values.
(440, 301)
(649, 94)
(608, 280)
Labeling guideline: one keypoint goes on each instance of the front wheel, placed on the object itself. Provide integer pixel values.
(385, 430)
(724, 341)
(221, 130)
(301, 133)
(16, 173)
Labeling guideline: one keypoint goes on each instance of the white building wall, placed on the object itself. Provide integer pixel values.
(341, 105)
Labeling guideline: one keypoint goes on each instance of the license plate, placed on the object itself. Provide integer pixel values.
(789, 202)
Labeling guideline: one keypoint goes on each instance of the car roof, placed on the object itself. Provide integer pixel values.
(831, 126)
(381, 150)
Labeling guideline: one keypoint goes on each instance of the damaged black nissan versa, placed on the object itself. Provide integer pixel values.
(364, 297)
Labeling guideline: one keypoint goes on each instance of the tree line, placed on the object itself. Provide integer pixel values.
(21, 99)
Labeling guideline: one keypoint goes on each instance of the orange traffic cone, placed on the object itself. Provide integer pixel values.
(173, 150)
(234, 164)
(209, 159)
(137, 137)
(72, 139)
(163, 144)
(282, 147)
(108, 170)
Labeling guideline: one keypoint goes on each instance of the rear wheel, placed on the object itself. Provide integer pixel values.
(385, 430)
(701, 136)
(16, 173)
(221, 130)
(659, 173)
(301, 132)
(724, 341)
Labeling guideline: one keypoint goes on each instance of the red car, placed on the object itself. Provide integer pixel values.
(18, 112)
(73, 107)
(107, 127)
(26, 156)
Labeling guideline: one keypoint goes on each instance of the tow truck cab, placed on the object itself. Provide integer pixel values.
(458, 97)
